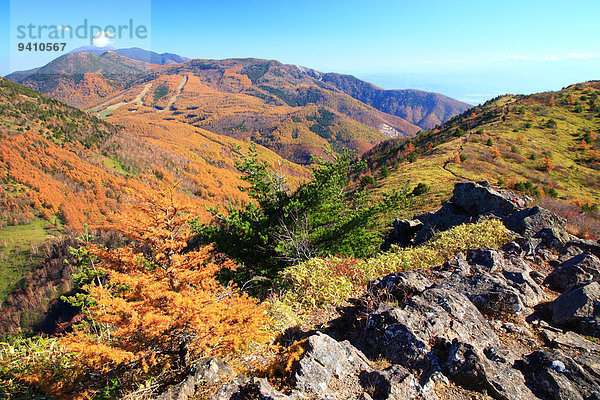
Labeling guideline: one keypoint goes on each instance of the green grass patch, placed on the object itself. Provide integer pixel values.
(114, 165)
(19, 252)
(105, 113)
(160, 92)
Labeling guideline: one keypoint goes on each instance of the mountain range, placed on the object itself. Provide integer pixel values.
(294, 111)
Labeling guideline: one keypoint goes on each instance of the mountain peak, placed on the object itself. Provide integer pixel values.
(135, 53)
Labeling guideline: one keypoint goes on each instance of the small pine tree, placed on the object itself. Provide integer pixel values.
(547, 164)
(384, 171)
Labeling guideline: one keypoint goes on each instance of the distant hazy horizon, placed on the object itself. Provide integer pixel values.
(470, 51)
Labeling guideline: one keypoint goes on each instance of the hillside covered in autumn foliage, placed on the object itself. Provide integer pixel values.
(62, 169)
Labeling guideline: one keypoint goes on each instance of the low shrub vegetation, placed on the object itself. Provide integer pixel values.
(334, 279)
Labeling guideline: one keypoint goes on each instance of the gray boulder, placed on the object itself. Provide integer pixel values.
(589, 246)
(569, 341)
(486, 260)
(579, 308)
(393, 383)
(337, 370)
(485, 370)
(554, 375)
(207, 370)
(553, 238)
(325, 359)
(405, 231)
(581, 269)
(470, 202)
(494, 280)
(531, 221)
(399, 286)
(408, 335)
(490, 293)
(479, 198)
(448, 216)
(243, 387)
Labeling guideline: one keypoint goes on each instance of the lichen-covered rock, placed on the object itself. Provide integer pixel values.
(531, 221)
(494, 280)
(337, 370)
(407, 335)
(205, 371)
(448, 216)
(554, 375)
(243, 387)
(325, 359)
(393, 383)
(405, 231)
(485, 369)
(568, 340)
(487, 260)
(581, 269)
(553, 238)
(470, 202)
(579, 308)
(589, 246)
(399, 286)
(479, 198)
(490, 293)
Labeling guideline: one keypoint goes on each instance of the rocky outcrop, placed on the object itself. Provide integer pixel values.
(408, 335)
(398, 287)
(579, 308)
(485, 370)
(205, 371)
(532, 221)
(470, 202)
(243, 387)
(581, 269)
(489, 320)
(405, 231)
(326, 360)
(335, 370)
(554, 375)
(479, 199)
(494, 281)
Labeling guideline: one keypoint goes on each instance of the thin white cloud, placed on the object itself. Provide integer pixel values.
(517, 57)
(101, 39)
(580, 55)
(568, 56)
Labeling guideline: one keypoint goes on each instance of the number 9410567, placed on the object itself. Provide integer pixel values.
(43, 46)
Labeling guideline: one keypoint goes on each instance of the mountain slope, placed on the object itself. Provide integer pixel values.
(59, 162)
(544, 144)
(76, 77)
(424, 109)
(287, 108)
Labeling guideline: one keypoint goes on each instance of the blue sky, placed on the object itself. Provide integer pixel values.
(471, 50)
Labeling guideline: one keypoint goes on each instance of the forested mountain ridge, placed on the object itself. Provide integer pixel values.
(290, 109)
(424, 109)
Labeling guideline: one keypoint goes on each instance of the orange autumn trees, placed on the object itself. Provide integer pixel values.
(160, 304)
